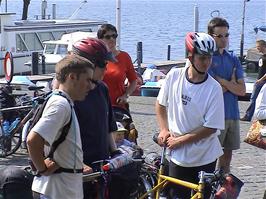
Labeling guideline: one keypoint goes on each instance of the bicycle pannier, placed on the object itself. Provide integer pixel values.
(15, 183)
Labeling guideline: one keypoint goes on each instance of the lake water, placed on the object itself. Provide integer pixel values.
(158, 23)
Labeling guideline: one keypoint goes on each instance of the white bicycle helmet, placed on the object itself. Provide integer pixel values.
(200, 43)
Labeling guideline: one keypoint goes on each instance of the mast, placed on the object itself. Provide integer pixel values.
(242, 32)
(118, 22)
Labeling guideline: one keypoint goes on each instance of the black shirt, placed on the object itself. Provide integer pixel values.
(262, 66)
(96, 121)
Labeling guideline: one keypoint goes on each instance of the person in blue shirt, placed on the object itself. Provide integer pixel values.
(227, 70)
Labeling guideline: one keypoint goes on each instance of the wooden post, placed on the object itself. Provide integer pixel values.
(34, 63)
(168, 52)
(43, 65)
(139, 53)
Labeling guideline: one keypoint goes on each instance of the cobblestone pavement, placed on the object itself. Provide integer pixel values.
(248, 164)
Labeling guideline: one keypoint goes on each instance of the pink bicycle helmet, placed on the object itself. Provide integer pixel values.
(95, 50)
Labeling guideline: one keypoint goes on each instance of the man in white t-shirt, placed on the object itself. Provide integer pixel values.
(61, 176)
(190, 113)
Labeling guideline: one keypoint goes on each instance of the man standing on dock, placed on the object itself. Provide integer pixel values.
(227, 70)
(60, 171)
(190, 112)
(261, 47)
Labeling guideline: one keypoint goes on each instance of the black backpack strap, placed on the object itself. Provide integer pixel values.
(61, 138)
(64, 133)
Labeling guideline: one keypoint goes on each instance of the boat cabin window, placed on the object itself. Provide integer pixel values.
(49, 48)
(28, 42)
(21, 47)
(46, 36)
(58, 34)
(62, 49)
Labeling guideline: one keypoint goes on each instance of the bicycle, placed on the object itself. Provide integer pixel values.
(154, 190)
(11, 141)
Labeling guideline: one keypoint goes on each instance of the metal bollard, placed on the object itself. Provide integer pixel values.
(168, 52)
(139, 53)
(34, 63)
(54, 11)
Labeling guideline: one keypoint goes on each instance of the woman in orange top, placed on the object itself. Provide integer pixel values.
(117, 72)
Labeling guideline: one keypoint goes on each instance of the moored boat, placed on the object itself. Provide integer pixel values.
(55, 50)
(22, 37)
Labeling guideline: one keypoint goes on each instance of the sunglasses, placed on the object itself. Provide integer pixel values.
(221, 36)
(114, 36)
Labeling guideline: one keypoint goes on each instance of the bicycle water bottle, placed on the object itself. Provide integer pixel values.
(117, 162)
(5, 125)
(14, 124)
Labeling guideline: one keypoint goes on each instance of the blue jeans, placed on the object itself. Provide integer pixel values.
(254, 95)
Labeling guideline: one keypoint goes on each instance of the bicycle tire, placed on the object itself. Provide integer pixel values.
(9, 145)
(143, 187)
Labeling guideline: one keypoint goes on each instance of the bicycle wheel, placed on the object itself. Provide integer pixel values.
(9, 145)
(143, 187)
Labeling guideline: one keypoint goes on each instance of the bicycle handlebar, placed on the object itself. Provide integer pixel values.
(15, 108)
(91, 176)
(217, 175)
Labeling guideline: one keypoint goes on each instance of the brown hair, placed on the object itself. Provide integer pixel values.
(71, 64)
(104, 29)
(216, 22)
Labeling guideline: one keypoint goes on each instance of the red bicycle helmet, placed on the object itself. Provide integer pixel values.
(200, 43)
(95, 50)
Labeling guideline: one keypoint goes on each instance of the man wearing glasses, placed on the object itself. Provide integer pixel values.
(227, 70)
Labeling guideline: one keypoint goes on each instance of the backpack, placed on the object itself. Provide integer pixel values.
(15, 183)
(38, 114)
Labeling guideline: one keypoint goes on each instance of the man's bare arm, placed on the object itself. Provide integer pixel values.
(36, 151)
(193, 136)
(236, 87)
(161, 115)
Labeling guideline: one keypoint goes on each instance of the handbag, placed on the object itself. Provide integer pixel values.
(230, 188)
(257, 134)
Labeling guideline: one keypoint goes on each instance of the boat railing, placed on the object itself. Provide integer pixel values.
(37, 17)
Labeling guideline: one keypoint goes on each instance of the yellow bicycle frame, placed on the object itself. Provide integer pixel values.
(163, 180)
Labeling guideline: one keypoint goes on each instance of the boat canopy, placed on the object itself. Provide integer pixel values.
(261, 28)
